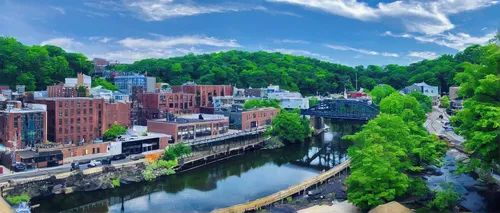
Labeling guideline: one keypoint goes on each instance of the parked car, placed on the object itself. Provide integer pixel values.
(19, 167)
(94, 163)
(449, 128)
(106, 161)
(118, 157)
(75, 166)
(444, 138)
(137, 157)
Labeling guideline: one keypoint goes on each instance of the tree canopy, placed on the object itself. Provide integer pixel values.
(261, 103)
(37, 67)
(289, 126)
(105, 84)
(113, 132)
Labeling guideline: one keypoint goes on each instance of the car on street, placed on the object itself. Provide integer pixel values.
(118, 157)
(94, 163)
(448, 128)
(137, 157)
(106, 161)
(444, 138)
(19, 167)
(75, 166)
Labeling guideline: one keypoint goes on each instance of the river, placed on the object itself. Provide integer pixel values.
(236, 180)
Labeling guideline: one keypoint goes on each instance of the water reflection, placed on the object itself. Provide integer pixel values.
(239, 179)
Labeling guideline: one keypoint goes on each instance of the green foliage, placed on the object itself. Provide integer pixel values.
(105, 84)
(250, 104)
(38, 66)
(445, 101)
(147, 174)
(115, 182)
(478, 122)
(405, 106)
(380, 92)
(418, 188)
(113, 132)
(424, 100)
(178, 150)
(313, 102)
(290, 127)
(445, 199)
(289, 199)
(15, 200)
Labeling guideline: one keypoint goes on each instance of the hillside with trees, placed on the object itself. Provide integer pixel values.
(37, 67)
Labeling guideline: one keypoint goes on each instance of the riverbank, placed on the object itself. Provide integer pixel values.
(328, 197)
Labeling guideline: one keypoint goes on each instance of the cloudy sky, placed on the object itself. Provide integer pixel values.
(351, 32)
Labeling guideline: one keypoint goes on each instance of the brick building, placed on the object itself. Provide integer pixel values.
(248, 119)
(74, 120)
(189, 127)
(60, 90)
(204, 93)
(23, 127)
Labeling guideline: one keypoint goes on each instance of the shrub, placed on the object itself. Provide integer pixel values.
(445, 199)
(15, 200)
(148, 175)
(418, 188)
(289, 199)
(115, 182)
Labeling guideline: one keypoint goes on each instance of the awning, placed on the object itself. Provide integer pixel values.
(50, 153)
(26, 154)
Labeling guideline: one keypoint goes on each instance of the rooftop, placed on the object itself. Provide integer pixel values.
(193, 118)
(65, 98)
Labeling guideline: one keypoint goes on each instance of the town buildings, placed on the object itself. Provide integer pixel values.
(190, 127)
(456, 101)
(23, 127)
(157, 105)
(248, 119)
(126, 82)
(204, 93)
(80, 120)
(431, 91)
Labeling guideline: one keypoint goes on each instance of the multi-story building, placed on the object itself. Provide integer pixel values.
(80, 80)
(99, 65)
(248, 119)
(456, 101)
(75, 120)
(61, 90)
(204, 93)
(422, 88)
(190, 127)
(126, 82)
(157, 105)
(23, 127)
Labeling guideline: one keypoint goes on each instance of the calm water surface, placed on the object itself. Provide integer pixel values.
(233, 181)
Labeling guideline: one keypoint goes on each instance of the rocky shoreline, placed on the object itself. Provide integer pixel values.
(333, 191)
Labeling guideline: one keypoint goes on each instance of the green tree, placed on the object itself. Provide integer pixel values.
(113, 132)
(380, 92)
(313, 102)
(424, 100)
(445, 101)
(250, 104)
(28, 80)
(404, 106)
(445, 199)
(290, 127)
(105, 84)
(478, 122)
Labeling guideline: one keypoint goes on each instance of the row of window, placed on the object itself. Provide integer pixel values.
(76, 103)
(71, 112)
(70, 130)
(67, 139)
(261, 115)
(78, 120)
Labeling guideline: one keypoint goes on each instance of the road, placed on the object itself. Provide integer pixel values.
(50, 170)
(435, 125)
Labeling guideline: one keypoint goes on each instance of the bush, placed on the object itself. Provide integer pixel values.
(115, 182)
(175, 151)
(148, 175)
(289, 199)
(15, 200)
(445, 199)
(418, 188)
(113, 132)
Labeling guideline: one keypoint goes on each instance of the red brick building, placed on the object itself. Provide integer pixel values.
(59, 90)
(183, 129)
(156, 105)
(74, 120)
(257, 117)
(204, 93)
(23, 127)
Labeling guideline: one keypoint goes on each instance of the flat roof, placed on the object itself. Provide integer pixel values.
(22, 110)
(65, 98)
(186, 120)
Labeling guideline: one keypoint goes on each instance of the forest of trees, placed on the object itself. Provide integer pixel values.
(39, 66)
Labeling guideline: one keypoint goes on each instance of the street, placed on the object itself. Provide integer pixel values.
(435, 125)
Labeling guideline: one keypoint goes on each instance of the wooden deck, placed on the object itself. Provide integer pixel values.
(276, 197)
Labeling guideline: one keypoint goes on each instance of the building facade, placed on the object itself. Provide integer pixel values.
(249, 119)
(125, 83)
(23, 127)
(60, 90)
(422, 88)
(204, 93)
(157, 105)
(182, 129)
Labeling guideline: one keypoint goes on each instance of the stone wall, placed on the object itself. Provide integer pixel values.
(87, 180)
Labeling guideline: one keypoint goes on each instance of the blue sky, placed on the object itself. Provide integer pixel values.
(351, 32)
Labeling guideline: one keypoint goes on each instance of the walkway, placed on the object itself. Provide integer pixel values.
(276, 197)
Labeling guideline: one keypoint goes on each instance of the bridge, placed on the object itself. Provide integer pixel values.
(343, 109)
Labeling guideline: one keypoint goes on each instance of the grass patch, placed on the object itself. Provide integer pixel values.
(115, 182)
(15, 200)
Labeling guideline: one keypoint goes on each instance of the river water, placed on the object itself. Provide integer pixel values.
(236, 180)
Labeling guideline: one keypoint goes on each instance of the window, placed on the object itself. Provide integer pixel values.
(71, 112)
(84, 111)
(98, 150)
(90, 111)
(60, 112)
(65, 121)
(78, 111)
(85, 120)
(60, 130)
(60, 122)
(66, 130)
(60, 104)
(65, 112)
(84, 129)
(77, 120)
(16, 122)
(77, 103)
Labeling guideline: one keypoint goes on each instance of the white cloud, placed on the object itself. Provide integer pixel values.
(302, 53)
(291, 41)
(59, 9)
(64, 42)
(458, 41)
(103, 40)
(484, 28)
(363, 51)
(129, 56)
(423, 55)
(422, 16)
(166, 42)
(158, 10)
(93, 14)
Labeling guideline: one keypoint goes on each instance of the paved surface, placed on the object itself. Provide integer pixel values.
(5, 207)
(342, 207)
(435, 125)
